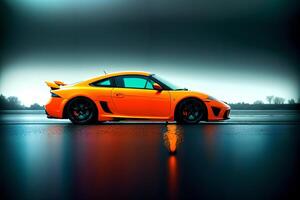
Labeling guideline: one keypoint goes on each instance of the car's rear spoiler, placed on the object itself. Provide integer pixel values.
(55, 85)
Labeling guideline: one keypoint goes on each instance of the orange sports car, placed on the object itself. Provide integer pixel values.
(131, 95)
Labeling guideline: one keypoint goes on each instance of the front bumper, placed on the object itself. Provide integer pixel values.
(226, 114)
(217, 110)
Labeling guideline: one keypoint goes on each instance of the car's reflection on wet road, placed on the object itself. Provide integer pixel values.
(173, 136)
(150, 161)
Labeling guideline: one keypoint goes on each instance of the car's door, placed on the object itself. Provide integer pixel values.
(101, 93)
(134, 96)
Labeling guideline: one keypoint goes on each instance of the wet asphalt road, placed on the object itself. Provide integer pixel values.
(255, 155)
(236, 117)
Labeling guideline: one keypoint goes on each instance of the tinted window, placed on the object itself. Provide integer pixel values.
(103, 83)
(149, 84)
(140, 82)
(167, 83)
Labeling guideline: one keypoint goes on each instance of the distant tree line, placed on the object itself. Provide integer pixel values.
(273, 104)
(13, 103)
(280, 100)
(276, 100)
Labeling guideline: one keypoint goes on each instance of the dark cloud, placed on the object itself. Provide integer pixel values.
(234, 33)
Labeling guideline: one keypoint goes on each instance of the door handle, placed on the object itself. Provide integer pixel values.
(119, 95)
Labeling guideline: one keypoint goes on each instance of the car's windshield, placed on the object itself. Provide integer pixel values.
(167, 83)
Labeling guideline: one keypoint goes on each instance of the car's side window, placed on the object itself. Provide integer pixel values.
(133, 81)
(149, 84)
(103, 83)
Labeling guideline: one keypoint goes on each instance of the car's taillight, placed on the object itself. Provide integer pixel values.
(54, 95)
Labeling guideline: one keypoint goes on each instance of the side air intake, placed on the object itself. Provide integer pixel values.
(105, 106)
(216, 110)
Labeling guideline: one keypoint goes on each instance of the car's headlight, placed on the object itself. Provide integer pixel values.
(211, 98)
(54, 95)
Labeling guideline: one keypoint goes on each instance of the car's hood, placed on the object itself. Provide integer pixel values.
(201, 95)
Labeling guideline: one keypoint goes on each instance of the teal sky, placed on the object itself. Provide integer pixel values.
(231, 86)
(238, 51)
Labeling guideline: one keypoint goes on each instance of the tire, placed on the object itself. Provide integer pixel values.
(190, 111)
(82, 111)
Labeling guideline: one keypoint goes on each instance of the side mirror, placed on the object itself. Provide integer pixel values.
(157, 87)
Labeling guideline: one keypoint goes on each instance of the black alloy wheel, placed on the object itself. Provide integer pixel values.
(82, 111)
(190, 111)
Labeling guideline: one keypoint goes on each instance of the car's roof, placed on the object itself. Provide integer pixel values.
(115, 74)
(127, 73)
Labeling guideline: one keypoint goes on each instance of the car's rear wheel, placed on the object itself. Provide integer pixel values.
(190, 111)
(82, 111)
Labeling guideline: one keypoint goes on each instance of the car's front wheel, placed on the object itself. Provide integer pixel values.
(190, 111)
(82, 111)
